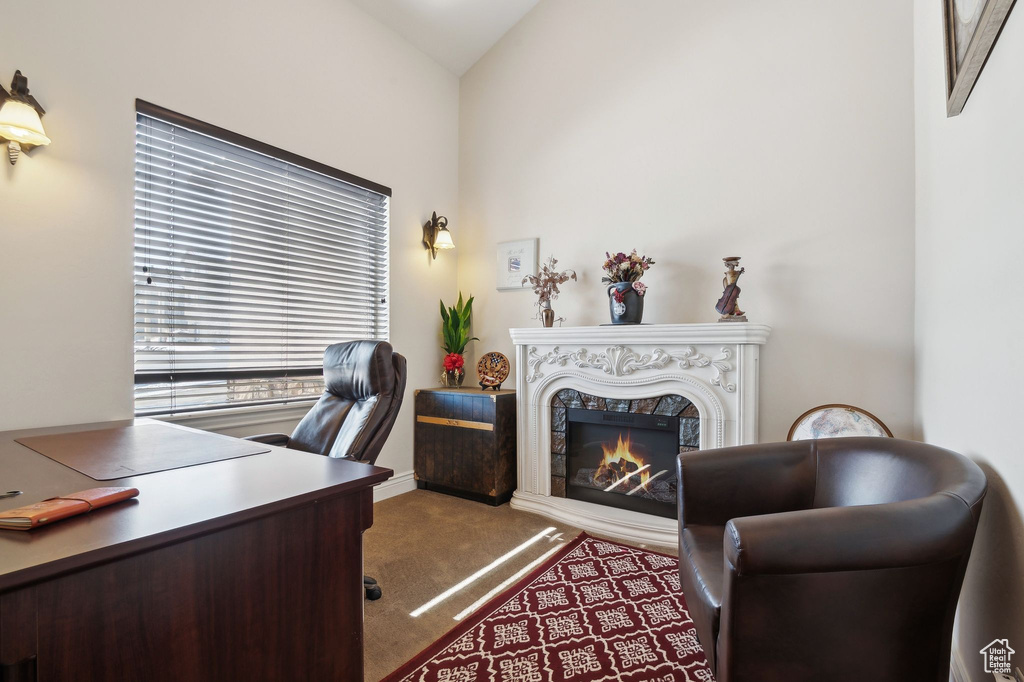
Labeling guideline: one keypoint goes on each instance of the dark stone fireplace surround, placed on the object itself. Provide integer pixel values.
(669, 405)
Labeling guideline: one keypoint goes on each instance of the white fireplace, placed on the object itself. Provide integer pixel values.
(705, 376)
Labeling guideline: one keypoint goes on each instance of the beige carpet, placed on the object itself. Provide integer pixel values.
(423, 544)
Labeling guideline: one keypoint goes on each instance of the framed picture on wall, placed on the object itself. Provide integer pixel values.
(516, 260)
(972, 27)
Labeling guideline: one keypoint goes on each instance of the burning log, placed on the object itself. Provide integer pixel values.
(603, 476)
(636, 477)
(646, 485)
(663, 489)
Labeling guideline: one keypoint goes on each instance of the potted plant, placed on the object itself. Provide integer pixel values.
(625, 290)
(455, 334)
(545, 285)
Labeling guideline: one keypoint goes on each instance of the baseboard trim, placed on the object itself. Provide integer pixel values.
(957, 672)
(399, 484)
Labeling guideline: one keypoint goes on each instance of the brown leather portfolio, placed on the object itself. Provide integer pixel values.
(109, 454)
(57, 508)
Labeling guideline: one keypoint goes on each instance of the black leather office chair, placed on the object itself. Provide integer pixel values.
(364, 383)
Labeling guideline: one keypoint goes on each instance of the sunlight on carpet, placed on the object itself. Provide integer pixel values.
(589, 611)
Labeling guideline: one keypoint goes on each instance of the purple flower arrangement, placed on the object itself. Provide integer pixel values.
(624, 267)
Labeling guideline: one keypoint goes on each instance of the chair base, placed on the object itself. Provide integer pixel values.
(372, 589)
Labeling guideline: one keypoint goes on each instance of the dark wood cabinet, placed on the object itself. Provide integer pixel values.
(465, 443)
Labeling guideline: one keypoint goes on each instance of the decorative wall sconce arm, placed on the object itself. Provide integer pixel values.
(436, 235)
(20, 115)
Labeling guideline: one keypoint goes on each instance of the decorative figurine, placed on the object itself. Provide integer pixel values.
(728, 305)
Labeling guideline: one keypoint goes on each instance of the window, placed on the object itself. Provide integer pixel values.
(249, 261)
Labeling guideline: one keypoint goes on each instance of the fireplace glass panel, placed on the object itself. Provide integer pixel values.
(623, 460)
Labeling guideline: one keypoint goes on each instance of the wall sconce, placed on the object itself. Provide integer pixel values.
(19, 119)
(436, 235)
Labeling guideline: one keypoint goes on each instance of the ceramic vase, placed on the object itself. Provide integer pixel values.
(625, 305)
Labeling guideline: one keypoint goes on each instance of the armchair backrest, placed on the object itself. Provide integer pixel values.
(769, 478)
(364, 383)
(859, 471)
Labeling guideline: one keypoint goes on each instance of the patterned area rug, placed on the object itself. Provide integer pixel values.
(595, 612)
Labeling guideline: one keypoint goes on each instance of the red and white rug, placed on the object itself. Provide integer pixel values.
(595, 612)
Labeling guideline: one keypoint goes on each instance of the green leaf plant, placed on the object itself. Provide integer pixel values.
(455, 326)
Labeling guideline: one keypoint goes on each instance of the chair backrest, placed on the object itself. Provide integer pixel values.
(364, 383)
(858, 471)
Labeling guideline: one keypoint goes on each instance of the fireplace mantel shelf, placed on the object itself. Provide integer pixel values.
(703, 333)
(713, 365)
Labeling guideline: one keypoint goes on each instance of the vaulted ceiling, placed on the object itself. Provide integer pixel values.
(455, 33)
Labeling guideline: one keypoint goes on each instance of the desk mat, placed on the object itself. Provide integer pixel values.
(108, 454)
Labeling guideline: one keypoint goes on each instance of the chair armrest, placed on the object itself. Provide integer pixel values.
(270, 439)
(901, 534)
(718, 485)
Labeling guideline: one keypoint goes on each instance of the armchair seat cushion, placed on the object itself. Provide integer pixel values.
(702, 577)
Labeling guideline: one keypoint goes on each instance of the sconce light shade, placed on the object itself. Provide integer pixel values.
(443, 240)
(20, 122)
(436, 235)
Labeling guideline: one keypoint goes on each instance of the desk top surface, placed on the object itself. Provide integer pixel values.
(171, 506)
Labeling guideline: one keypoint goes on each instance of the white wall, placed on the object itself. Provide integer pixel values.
(316, 77)
(970, 371)
(780, 132)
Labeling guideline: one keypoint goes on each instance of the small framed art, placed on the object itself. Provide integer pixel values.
(516, 260)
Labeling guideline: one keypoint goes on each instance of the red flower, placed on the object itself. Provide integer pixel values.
(453, 362)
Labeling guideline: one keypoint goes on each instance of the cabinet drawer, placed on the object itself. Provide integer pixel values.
(461, 405)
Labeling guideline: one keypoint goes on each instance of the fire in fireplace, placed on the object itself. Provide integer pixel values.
(623, 460)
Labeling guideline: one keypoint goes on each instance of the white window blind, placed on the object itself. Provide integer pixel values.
(249, 262)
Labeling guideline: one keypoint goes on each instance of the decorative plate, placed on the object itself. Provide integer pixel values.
(493, 368)
(837, 421)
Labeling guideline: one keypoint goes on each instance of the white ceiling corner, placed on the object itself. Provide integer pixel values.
(454, 33)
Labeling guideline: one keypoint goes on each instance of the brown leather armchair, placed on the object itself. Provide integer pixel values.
(364, 384)
(837, 559)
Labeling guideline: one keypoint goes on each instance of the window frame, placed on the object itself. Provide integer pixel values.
(145, 108)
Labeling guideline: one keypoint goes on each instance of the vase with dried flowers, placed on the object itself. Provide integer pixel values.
(625, 290)
(455, 335)
(545, 285)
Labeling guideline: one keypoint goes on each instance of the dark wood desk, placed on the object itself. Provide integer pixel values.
(243, 569)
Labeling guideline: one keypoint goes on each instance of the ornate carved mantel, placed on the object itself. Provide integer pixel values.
(713, 365)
